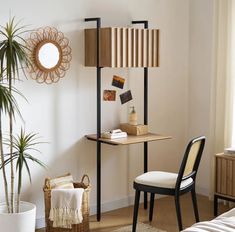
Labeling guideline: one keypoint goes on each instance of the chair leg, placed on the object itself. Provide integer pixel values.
(151, 206)
(136, 208)
(215, 205)
(178, 212)
(194, 199)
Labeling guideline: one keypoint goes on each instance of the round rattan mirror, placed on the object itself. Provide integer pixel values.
(50, 54)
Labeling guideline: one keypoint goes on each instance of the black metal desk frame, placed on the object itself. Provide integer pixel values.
(98, 147)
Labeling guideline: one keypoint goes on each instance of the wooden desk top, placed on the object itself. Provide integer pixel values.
(130, 139)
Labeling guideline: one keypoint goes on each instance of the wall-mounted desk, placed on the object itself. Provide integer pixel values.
(130, 139)
(116, 47)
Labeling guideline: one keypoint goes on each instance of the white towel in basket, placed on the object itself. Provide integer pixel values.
(66, 207)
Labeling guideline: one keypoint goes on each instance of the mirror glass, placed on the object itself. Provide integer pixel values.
(48, 55)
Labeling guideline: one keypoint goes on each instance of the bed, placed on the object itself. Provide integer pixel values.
(222, 223)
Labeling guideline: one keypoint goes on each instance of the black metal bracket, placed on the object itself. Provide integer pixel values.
(112, 144)
(146, 26)
(145, 22)
(98, 132)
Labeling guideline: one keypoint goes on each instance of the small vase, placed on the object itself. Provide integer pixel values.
(133, 117)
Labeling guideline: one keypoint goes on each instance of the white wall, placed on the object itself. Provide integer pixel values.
(179, 93)
(168, 90)
(202, 58)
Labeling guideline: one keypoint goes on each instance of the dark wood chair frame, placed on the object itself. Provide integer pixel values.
(177, 191)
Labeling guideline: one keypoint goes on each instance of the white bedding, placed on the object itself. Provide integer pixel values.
(223, 223)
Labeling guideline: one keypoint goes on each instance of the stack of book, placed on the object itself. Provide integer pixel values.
(114, 134)
(229, 151)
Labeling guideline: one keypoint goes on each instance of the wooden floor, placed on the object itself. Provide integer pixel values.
(164, 216)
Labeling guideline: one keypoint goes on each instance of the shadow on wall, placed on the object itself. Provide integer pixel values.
(71, 157)
(71, 114)
(70, 161)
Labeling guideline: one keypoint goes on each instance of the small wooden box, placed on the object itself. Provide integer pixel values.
(134, 130)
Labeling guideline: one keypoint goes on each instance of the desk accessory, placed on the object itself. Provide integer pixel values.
(114, 134)
(229, 151)
(134, 129)
(133, 116)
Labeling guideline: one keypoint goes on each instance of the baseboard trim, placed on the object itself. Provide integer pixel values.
(40, 223)
(106, 206)
(117, 204)
(203, 191)
(112, 205)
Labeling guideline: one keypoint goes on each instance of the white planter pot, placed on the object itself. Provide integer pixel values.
(24, 221)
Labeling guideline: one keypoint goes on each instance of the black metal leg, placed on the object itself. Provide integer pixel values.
(178, 212)
(145, 170)
(146, 123)
(215, 205)
(98, 215)
(136, 208)
(151, 207)
(98, 151)
(98, 144)
(145, 23)
(145, 200)
(194, 199)
(216, 199)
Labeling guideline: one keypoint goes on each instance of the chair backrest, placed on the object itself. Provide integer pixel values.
(191, 160)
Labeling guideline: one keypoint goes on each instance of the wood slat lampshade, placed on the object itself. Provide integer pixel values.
(123, 47)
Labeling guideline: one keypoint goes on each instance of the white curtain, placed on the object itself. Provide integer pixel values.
(230, 80)
(222, 19)
(224, 87)
(225, 83)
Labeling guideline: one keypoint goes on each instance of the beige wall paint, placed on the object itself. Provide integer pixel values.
(202, 82)
(179, 93)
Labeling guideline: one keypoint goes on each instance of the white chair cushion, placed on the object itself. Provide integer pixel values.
(161, 179)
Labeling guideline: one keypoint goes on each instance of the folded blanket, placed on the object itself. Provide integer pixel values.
(62, 182)
(66, 207)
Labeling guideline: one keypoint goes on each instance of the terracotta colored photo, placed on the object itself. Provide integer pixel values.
(109, 95)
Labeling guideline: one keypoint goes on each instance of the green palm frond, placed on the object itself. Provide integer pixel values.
(13, 59)
(13, 54)
(23, 143)
(8, 102)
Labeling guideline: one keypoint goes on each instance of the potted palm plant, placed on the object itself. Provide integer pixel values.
(24, 215)
(14, 214)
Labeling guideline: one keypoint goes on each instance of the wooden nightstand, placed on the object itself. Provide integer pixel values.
(224, 179)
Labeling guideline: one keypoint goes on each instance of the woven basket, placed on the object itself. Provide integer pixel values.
(82, 227)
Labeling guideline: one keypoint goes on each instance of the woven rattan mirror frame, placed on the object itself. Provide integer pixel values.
(37, 40)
